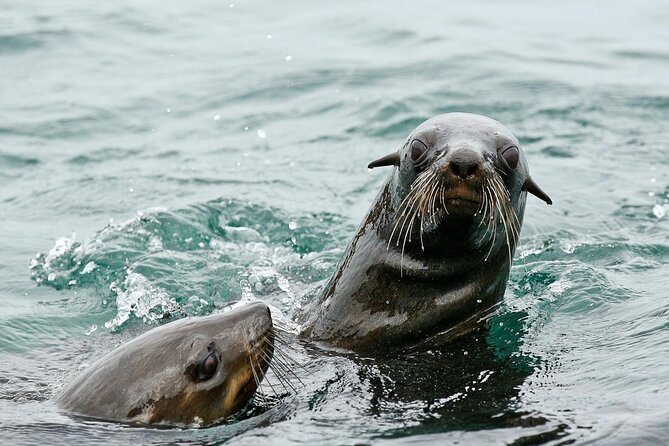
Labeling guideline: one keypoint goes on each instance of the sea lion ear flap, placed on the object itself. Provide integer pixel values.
(530, 186)
(389, 160)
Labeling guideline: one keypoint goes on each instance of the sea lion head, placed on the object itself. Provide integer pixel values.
(462, 174)
(195, 371)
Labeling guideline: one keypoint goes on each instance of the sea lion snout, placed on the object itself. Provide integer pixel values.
(464, 164)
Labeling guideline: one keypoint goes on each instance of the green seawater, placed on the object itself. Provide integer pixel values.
(159, 159)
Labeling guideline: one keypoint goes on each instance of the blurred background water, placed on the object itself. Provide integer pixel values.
(160, 159)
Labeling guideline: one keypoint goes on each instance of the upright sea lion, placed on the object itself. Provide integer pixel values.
(437, 243)
(197, 370)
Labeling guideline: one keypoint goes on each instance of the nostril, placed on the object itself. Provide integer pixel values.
(464, 168)
(455, 168)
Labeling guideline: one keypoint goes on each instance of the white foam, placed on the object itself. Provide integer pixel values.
(62, 246)
(141, 299)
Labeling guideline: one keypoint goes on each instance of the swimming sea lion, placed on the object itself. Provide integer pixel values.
(436, 245)
(197, 370)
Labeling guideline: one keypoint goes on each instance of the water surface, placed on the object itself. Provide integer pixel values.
(167, 158)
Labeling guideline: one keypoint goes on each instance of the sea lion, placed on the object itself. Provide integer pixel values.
(436, 245)
(194, 371)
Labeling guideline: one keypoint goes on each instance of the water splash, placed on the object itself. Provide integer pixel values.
(137, 297)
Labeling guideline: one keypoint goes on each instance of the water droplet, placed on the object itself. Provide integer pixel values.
(131, 190)
(292, 225)
(269, 36)
(652, 180)
(246, 127)
(232, 5)
(659, 210)
(90, 266)
(262, 134)
(651, 194)
(217, 117)
(169, 110)
(288, 58)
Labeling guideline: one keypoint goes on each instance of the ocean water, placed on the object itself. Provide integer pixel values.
(161, 159)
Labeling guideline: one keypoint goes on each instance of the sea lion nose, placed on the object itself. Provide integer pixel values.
(464, 164)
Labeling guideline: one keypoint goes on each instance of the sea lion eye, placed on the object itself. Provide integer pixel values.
(208, 367)
(418, 148)
(510, 155)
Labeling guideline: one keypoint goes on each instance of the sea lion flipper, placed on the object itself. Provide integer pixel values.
(535, 190)
(389, 160)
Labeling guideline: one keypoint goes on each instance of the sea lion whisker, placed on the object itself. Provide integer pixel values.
(403, 210)
(422, 243)
(406, 211)
(423, 188)
(269, 383)
(282, 380)
(487, 213)
(287, 369)
(493, 216)
(434, 193)
(255, 375)
(273, 356)
(278, 330)
(502, 216)
(410, 215)
(287, 357)
(509, 213)
(408, 231)
(479, 209)
(277, 374)
(260, 392)
(442, 199)
(484, 211)
(280, 376)
(410, 227)
(441, 203)
(484, 204)
(489, 210)
(280, 361)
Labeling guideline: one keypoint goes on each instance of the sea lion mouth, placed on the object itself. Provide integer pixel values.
(461, 197)
(458, 202)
